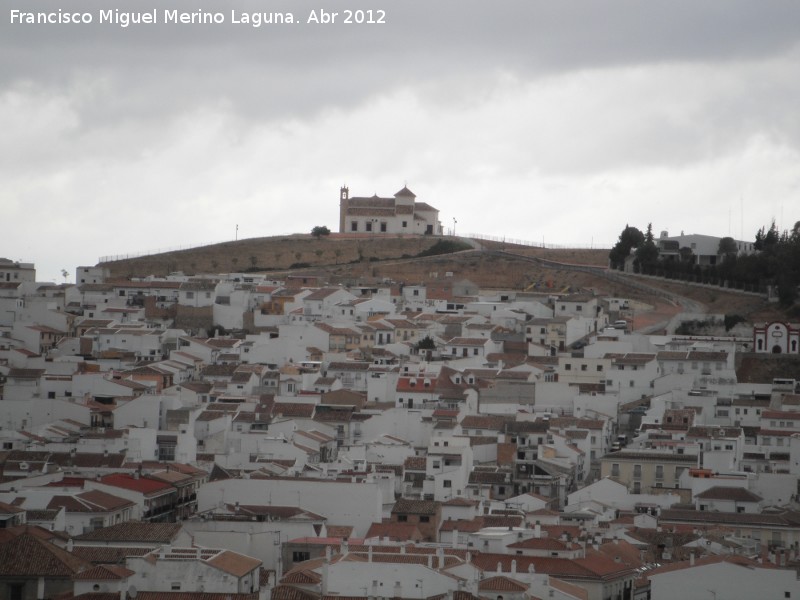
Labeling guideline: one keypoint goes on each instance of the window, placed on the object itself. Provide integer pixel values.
(583, 367)
(599, 368)
(637, 471)
(189, 295)
(615, 470)
(424, 519)
(659, 471)
(369, 225)
(402, 518)
(567, 367)
(447, 483)
(175, 586)
(383, 227)
(405, 223)
(354, 226)
(300, 556)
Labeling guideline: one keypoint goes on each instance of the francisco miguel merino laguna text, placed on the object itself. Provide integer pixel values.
(197, 17)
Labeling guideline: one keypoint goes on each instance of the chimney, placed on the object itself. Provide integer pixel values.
(70, 545)
(691, 559)
(455, 538)
(513, 567)
(328, 553)
(537, 530)
(369, 553)
(440, 555)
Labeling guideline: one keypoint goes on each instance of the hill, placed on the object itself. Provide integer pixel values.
(348, 258)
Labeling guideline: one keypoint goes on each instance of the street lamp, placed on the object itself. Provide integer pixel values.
(454, 226)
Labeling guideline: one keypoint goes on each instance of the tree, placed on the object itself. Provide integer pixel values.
(647, 252)
(687, 256)
(319, 231)
(64, 274)
(629, 239)
(727, 249)
(426, 343)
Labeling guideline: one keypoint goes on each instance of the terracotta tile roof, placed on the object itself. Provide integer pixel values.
(778, 519)
(415, 507)
(196, 596)
(92, 501)
(234, 563)
(289, 592)
(735, 494)
(143, 485)
(292, 409)
(27, 556)
(483, 422)
(417, 384)
(478, 523)
(501, 584)
(107, 555)
(134, 531)
(304, 577)
(595, 566)
(415, 463)
(395, 531)
(104, 573)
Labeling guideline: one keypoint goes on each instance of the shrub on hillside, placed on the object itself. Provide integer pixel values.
(445, 247)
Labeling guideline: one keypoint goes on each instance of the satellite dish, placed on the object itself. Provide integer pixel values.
(132, 591)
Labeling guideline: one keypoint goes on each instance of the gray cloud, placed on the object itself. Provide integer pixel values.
(623, 111)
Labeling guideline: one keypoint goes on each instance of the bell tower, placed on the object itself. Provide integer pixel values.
(344, 197)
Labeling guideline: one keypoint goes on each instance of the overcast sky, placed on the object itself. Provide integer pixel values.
(553, 120)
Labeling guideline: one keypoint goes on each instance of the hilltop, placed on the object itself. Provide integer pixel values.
(348, 258)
